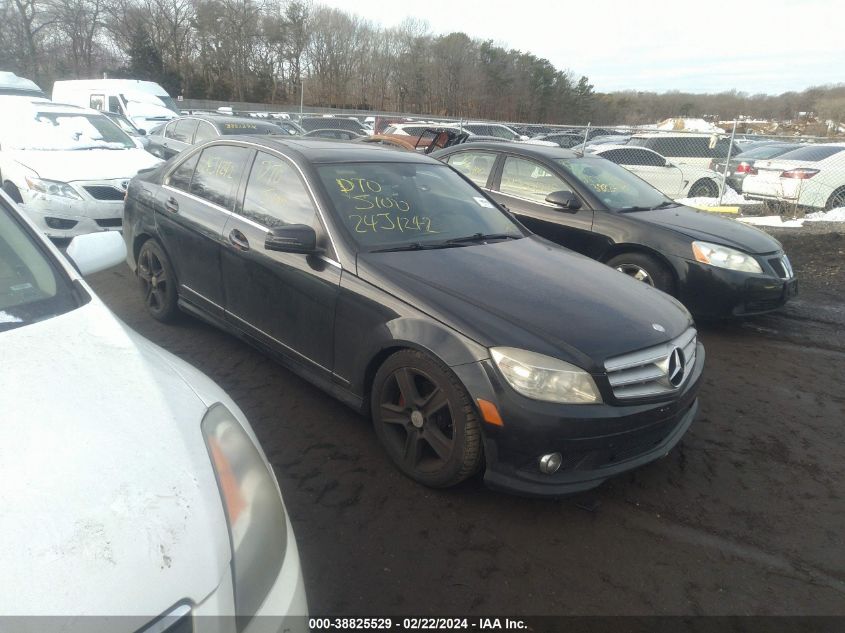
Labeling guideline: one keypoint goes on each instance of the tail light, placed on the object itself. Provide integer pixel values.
(802, 173)
(745, 168)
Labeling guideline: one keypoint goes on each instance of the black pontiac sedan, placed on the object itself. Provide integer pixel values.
(400, 288)
(715, 266)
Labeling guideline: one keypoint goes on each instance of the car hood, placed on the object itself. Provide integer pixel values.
(109, 503)
(532, 294)
(701, 225)
(89, 164)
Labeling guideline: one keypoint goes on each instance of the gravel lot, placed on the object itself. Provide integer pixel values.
(744, 517)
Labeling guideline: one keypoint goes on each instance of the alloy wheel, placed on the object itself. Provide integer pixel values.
(637, 272)
(154, 279)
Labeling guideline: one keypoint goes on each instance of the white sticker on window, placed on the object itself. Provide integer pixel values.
(483, 202)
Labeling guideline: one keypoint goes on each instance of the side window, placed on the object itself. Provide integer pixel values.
(170, 130)
(114, 105)
(632, 156)
(180, 178)
(527, 179)
(97, 102)
(205, 132)
(275, 195)
(218, 174)
(185, 129)
(474, 165)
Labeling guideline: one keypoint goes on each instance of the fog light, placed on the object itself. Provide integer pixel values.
(550, 463)
(59, 223)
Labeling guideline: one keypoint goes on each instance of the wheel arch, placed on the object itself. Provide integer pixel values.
(627, 247)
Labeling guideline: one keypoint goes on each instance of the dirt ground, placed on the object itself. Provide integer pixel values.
(744, 517)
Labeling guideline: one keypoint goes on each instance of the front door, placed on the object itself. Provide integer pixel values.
(523, 186)
(285, 300)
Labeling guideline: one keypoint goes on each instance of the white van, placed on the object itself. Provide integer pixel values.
(145, 103)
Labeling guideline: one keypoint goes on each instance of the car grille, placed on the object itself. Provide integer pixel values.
(105, 192)
(781, 266)
(655, 371)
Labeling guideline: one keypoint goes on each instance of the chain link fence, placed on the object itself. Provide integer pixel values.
(702, 164)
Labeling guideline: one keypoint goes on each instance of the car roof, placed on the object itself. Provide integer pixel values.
(676, 134)
(320, 150)
(226, 118)
(526, 149)
(604, 147)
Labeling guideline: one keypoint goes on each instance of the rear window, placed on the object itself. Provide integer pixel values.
(330, 123)
(247, 127)
(766, 151)
(812, 153)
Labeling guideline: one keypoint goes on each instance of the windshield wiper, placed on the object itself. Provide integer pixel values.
(482, 237)
(412, 246)
(665, 204)
(634, 208)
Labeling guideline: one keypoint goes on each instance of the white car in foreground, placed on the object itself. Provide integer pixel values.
(132, 484)
(810, 176)
(68, 166)
(676, 180)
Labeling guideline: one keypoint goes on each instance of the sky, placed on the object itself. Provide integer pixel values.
(754, 46)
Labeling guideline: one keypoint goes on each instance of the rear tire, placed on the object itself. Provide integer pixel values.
(644, 268)
(836, 200)
(158, 282)
(704, 188)
(425, 420)
(12, 191)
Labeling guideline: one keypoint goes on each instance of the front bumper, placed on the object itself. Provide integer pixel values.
(711, 292)
(70, 218)
(596, 441)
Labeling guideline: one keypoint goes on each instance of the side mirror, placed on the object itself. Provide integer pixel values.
(564, 199)
(292, 238)
(142, 132)
(94, 252)
(668, 164)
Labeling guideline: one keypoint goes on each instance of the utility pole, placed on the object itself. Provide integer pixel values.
(301, 95)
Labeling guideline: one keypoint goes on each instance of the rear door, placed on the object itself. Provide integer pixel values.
(285, 300)
(522, 184)
(197, 199)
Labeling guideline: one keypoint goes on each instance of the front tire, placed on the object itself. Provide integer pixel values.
(704, 188)
(424, 418)
(644, 268)
(158, 282)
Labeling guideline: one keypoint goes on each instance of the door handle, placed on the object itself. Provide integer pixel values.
(171, 205)
(238, 240)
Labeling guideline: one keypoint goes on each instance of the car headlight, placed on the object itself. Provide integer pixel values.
(544, 378)
(724, 257)
(254, 510)
(53, 188)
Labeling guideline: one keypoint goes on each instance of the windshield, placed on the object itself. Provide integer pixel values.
(615, 186)
(766, 151)
(170, 103)
(385, 205)
(57, 131)
(32, 288)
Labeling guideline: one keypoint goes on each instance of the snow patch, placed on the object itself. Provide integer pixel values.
(834, 215)
(730, 197)
(773, 220)
(5, 317)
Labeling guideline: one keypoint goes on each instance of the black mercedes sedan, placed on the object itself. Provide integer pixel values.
(717, 267)
(403, 290)
(180, 133)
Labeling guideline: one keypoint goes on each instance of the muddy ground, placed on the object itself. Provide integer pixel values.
(744, 517)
